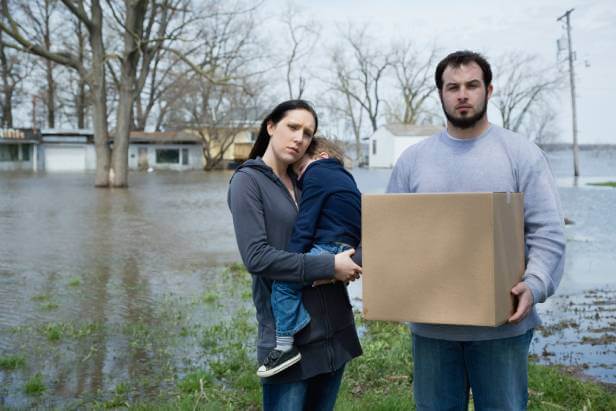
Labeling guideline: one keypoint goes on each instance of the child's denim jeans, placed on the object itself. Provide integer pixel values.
(289, 312)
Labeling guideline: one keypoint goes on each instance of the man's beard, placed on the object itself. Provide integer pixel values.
(466, 122)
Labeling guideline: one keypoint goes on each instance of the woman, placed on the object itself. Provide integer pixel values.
(263, 201)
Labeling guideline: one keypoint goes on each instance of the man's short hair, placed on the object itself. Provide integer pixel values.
(458, 59)
(323, 145)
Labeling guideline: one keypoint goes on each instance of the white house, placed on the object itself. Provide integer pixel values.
(389, 141)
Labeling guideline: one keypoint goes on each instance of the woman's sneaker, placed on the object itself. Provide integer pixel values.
(277, 361)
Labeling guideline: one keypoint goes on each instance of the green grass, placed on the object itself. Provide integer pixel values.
(550, 386)
(12, 362)
(210, 297)
(35, 385)
(54, 332)
(604, 184)
(74, 281)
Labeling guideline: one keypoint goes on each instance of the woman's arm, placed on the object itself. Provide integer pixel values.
(259, 257)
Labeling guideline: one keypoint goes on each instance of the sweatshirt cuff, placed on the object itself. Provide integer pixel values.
(536, 288)
(318, 267)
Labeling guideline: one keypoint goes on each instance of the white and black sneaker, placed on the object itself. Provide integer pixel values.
(277, 361)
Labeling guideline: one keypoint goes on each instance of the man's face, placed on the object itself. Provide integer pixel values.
(464, 97)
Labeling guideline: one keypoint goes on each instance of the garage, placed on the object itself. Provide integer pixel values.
(65, 158)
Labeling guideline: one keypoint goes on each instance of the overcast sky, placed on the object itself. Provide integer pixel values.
(493, 27)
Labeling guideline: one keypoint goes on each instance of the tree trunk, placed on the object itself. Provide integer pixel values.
(80, 98)
(99, 96)
(135, 13)
(50, 95)
(7, 90)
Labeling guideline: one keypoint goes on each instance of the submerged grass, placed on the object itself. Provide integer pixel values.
(12, 362)
(35, 385)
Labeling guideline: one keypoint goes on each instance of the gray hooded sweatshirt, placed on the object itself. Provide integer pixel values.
(263, 217)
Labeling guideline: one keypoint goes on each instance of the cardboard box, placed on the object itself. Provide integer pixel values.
(446, 258)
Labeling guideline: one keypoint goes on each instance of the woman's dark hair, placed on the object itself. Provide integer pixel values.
(458, 59)
(277, 114)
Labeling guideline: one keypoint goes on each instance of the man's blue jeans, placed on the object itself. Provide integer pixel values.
(495, 370)
(317, 393)
(289, 312)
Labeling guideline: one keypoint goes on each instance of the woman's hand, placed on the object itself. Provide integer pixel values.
(346, 270)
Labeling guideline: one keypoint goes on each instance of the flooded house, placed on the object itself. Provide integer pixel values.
(18, 149)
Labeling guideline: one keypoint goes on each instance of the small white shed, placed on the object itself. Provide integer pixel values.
(389, 141)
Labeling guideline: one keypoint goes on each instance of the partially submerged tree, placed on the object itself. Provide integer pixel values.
(129, 16)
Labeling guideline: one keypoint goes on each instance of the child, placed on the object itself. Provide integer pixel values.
(328, 221)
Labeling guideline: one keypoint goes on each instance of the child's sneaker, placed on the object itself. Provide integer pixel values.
(277, 361)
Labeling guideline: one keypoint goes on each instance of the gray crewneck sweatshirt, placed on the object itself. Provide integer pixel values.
(496, 161)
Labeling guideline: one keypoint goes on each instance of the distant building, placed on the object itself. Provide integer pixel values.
(18, 149)
(164, 150)
(183, 150)
(389, 141)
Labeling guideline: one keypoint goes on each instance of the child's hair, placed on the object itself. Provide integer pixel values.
(323, 145)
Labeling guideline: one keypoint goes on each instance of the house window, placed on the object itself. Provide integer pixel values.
(168, 156)
(253, 136)
(184, 156)
(25, 152)
(9, 152)
(373, 147)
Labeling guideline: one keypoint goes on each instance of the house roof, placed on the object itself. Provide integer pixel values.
(164, 137)
(410, 130)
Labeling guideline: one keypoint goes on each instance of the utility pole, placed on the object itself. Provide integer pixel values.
(576, 166)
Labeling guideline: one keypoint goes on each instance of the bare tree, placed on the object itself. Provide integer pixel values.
(522, 89)
(220, 97)
(360, 69)
(164, 22)
(40, 20)
(13, 70)
(303, 36)
(415, 82)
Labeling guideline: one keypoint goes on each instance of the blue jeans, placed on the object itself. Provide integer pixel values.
(289, 312)
(495, 370)
(317, 393)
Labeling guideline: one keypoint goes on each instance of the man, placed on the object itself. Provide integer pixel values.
(472, 155)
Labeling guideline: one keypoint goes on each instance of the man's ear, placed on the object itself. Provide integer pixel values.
(323, 154)
(490, 90)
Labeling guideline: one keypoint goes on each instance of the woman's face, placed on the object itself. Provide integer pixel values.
(291, 136)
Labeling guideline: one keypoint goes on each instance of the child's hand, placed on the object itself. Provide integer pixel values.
(345, 268)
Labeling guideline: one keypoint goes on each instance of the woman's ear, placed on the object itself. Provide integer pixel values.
(323, 154)
(270, 127)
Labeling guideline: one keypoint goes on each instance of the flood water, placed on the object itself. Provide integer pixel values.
(104, 265)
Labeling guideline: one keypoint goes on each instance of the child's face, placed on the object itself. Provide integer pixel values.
(300, 166)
